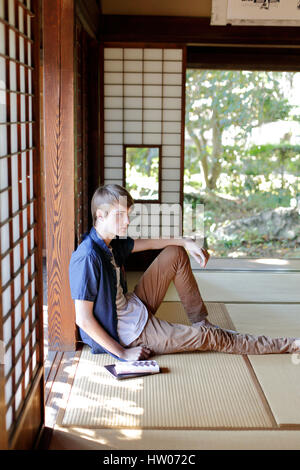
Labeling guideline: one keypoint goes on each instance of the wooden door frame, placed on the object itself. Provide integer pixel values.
(59, 131)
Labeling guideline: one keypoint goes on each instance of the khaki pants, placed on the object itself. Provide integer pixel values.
(163, 337)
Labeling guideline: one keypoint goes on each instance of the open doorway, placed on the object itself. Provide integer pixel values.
(242, 160)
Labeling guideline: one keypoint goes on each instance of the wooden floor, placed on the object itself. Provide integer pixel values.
(60, 369)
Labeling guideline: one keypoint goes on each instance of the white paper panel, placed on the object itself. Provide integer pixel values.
(133, 54)
(8, 390)
(26, 327)
(18, 342)
(22, 102)
(29, 54)
(25, 270)
(153, 78)
(3, 206)
(172, 90)
(4, 238)
(14, 138)
(2, 38)
(113, 53)
(170, 186)
(31, 235)
(2, 9)
(173, 54)
(29, 106)
(26, 377)
(174, 151)
(171, 174)
(8, 418)
(133, 139)
(17, 257)
(114, 162)
(15, 183)
(27, 351)
(133, 78)
(171, 139)
(25, 247)
(18, 314)
(13, 107)
(133, 90)
(113, 173)
(114, 150)
(133, 114)
(113, 66)
(32, 264)
(115, 138)
(133, 66)
(152, 54)
(18, 369)
(7, 331)
(170, 197)
(21, 19)
(5, 269)
(116, 181)
(172, 103)
(113, 114)
(22, 49)
(133, 126)
(152, 115)
(113, 102)
(26, 300)
(171, 162)
(152, 139)
(29, 81)
(16, 228)
(17, 286)
(113, 126)
(153, 66)
(113, 77)
(172, 127)
(172, 78)
(11, 12)
(172, 67)
(3, 173)
(33, 360)
(13, 77)
(133, 103)
(153, 103)
(152, 126)
(23, 135)
(8, 360)
(18, 397)
(3, 140)
(152, 90)
(12, 44)
(6, 301)
(113, 90)
(172, 115)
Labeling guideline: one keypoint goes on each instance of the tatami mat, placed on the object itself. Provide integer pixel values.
(278, 375)
(194, 391)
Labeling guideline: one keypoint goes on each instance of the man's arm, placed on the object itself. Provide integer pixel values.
(200, 254)
(88, 323)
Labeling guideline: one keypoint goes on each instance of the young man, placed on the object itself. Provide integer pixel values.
(124, 324)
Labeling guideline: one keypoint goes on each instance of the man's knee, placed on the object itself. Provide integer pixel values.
(175, 252)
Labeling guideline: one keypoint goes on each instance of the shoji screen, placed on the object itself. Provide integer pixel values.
(20, 304)
(143, 104)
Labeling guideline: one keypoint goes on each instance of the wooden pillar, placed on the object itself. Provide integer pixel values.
(59, 168)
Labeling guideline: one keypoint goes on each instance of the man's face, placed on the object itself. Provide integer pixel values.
(116, 221)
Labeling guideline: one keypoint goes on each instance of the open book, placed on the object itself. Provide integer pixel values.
(126, 370)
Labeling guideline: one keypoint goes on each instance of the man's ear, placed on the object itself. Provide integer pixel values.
(100, 214)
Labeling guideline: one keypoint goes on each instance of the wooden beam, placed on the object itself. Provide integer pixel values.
(59, 160)
(191, 30)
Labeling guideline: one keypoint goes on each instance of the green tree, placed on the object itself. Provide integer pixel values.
(219, 100)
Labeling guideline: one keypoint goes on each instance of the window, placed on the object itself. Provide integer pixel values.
(142, 172)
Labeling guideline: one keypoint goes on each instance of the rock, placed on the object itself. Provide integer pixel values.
(282, 223)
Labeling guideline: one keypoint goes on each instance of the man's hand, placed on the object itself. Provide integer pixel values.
(139, 353)
(200, 254)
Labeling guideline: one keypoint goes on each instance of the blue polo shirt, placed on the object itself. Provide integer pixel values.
(93, 278)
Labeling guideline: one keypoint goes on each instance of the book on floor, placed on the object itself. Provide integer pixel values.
(126, 370)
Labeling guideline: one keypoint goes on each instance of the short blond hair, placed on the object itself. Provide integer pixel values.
(107, 195)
